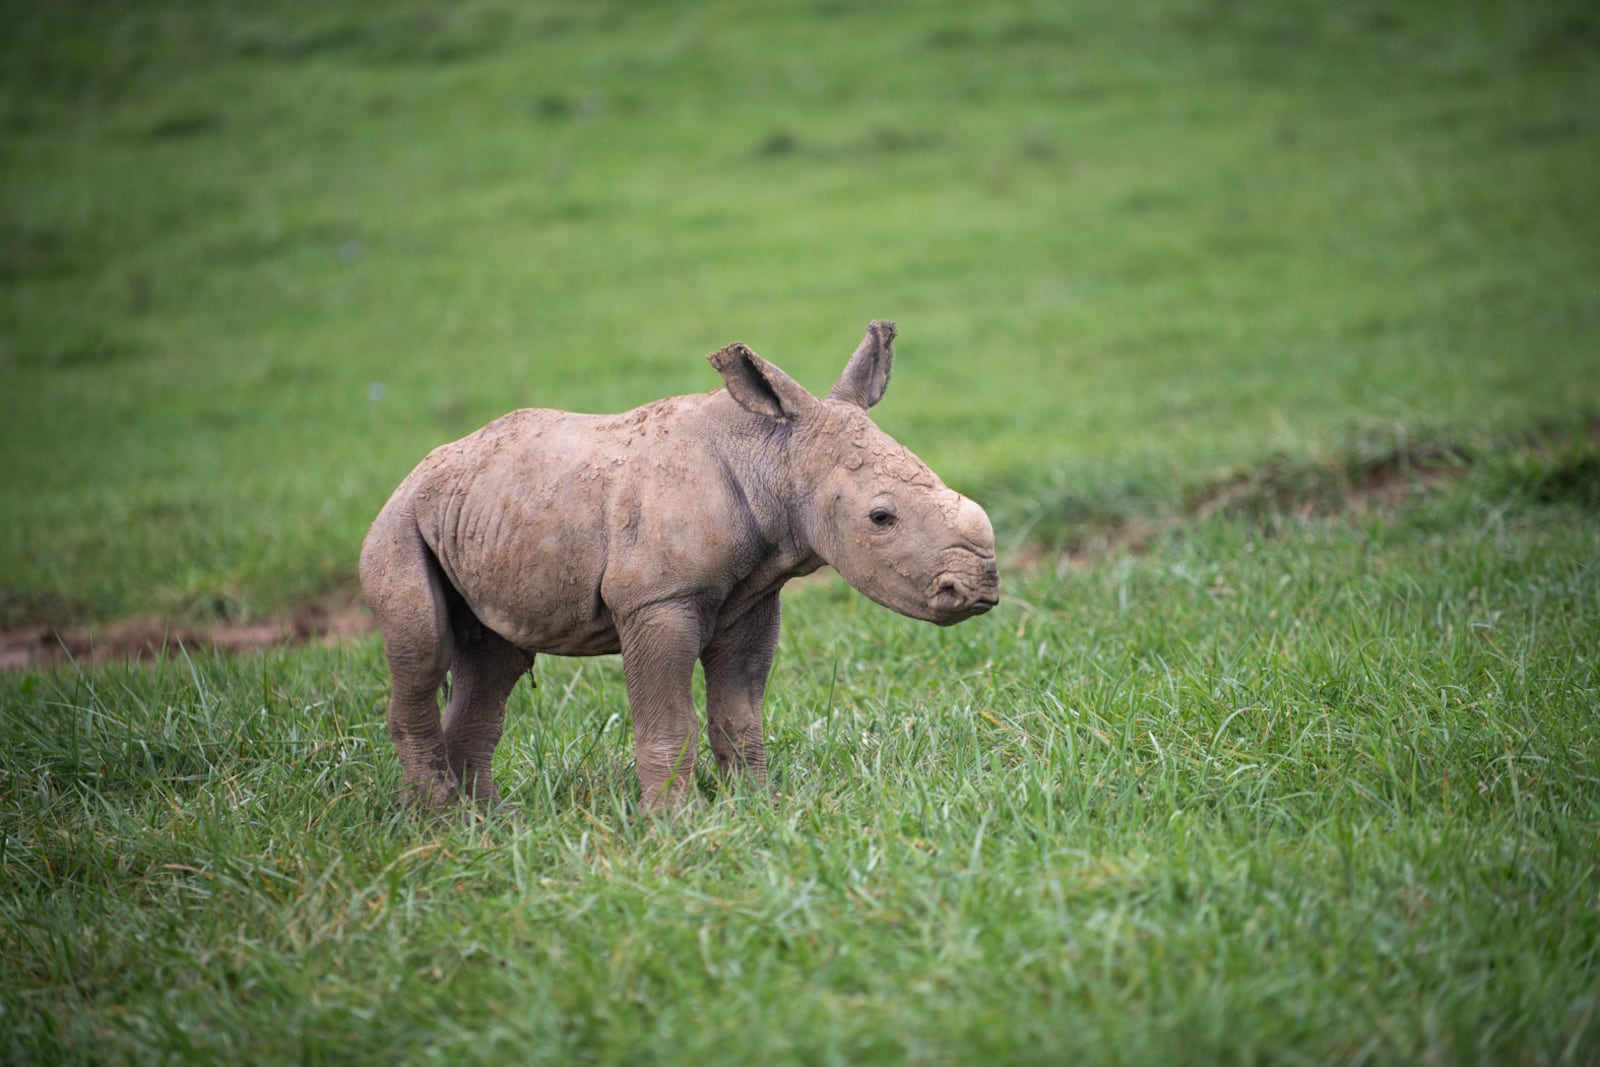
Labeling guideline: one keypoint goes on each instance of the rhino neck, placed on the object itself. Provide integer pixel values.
(812, 457)
(757, 457)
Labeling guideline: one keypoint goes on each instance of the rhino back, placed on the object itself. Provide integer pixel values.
(550, 524)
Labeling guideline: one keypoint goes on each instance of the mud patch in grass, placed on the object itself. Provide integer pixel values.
(150, 636)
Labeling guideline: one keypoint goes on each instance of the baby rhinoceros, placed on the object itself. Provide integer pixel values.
(664, 533)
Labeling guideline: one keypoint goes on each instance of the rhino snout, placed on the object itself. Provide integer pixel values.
(970, 588)
(968, 581)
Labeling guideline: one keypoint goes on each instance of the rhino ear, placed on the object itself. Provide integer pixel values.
(866, 376)
(758, 386)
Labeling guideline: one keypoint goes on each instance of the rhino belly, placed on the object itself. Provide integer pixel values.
(537, 588)
(527, 562)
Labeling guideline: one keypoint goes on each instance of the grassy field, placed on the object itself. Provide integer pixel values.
(1325, 796)
(1127, 249)
(1270, 334)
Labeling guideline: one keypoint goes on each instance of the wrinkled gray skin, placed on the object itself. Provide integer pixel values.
(664, 533)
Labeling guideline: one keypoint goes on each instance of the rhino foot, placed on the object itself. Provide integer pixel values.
(439, 791)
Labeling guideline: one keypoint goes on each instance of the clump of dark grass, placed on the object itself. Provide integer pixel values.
(1373, 471)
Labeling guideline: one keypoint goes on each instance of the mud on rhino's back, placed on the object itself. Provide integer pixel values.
(526, 514)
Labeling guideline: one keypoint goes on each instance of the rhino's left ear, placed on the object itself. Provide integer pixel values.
(758, 386)
(866, 376)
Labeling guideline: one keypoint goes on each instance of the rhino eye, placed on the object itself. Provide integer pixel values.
(882, 518)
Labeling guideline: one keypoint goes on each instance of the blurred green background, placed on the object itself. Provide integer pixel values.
(257, 259)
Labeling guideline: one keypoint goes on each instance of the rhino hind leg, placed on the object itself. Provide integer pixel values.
(410, 600)
(483, 673)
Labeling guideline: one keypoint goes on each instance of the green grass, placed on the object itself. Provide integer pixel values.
(1129, 246)
(1328, 795)
(1282, 318)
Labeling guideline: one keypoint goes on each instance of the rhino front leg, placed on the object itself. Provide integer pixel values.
(737, 663)
(482, 676)
(660, 644)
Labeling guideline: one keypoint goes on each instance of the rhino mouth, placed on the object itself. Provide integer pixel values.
(948, 613)
(960, 595)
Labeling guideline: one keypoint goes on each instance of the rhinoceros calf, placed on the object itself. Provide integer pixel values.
(664, 533)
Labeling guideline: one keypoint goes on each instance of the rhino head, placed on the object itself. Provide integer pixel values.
(862, 501)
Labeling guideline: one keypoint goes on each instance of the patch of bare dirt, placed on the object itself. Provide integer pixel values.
(148, 636)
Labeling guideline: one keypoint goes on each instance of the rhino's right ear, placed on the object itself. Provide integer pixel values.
(758, 386)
